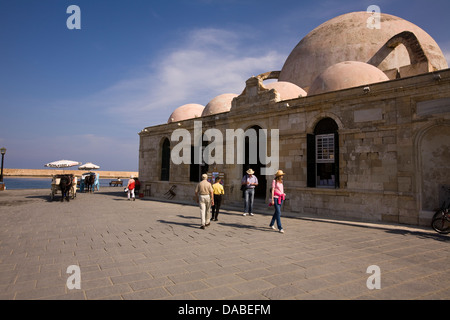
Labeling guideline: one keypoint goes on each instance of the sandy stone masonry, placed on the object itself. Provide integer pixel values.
(378, 109)
(384, 173)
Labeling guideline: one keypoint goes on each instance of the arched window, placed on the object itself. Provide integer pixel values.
(323, 155)
(165, 160)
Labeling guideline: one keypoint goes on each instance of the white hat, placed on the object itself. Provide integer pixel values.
(250, 171)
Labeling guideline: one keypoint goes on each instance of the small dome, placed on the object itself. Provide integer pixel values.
(187, 111)
(286, 90)
(219, 104)
(345, 75)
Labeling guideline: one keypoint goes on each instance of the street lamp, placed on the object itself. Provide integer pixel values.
(3, 151)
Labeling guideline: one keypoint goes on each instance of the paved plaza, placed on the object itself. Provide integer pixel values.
(147, 249)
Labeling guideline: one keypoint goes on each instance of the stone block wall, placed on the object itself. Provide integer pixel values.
(394, 151)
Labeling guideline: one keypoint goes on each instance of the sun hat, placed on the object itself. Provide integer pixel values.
(250, 171)
(204, 176)
(279, 173)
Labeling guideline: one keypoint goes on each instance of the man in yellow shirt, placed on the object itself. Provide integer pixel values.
(218, 192)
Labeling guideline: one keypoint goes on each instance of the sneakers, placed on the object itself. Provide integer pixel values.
(249, 214)
(244, 214)
(273, 227)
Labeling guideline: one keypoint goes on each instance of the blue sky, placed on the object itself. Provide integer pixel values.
(85, 94)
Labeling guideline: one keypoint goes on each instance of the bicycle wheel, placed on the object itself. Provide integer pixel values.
(440, 223)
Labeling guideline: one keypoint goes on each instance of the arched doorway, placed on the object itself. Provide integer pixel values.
(252, 146)
(323, 155)
(434, 151)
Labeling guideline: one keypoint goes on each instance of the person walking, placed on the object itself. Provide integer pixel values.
(278, 196)
(204, 195)
(249, 182)
(218, 192)
(130, 187)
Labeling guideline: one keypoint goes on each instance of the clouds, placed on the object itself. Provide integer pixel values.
(206, 63)
(200, 65)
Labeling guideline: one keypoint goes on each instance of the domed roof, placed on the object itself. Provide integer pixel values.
(187, 111)
(348, 38)
(221, 103)
(286, 90)
(346, 74)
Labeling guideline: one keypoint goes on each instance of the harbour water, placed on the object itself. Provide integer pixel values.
(38, 183)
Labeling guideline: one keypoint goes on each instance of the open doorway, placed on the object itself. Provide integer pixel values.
(260, 190)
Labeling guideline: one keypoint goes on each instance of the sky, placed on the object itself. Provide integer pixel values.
(84, 94)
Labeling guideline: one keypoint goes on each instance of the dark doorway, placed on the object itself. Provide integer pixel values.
(165, 160)
(260, 190)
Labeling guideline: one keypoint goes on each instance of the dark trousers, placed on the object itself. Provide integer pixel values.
(216, 206)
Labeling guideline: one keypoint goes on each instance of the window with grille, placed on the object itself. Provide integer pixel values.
(325, 148)
(323, 155)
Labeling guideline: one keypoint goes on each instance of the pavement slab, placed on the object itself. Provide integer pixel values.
(151, 249)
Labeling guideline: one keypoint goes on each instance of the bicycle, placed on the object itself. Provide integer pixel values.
(441, 219)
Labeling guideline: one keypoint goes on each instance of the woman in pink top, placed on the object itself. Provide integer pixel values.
(278, 196)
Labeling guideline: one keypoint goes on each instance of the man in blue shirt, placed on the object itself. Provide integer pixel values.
(250, 181)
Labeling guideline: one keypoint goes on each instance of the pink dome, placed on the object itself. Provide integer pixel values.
(347, 38)
(219, 104)
(286, 90)
(345, 75)
(187, 111)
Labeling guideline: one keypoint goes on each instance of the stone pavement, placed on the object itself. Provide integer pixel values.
(146, 249)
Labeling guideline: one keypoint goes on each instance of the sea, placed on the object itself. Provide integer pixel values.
(37, 183)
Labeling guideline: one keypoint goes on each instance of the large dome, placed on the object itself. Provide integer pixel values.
(187, 111)
(345, 75)
(286, 90)
(348, 38)
(219, 104)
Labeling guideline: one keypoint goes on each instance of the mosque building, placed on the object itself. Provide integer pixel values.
(363, 126)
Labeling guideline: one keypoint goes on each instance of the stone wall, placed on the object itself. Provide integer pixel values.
(394, 148)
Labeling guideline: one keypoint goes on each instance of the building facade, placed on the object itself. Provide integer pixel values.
(361, 133)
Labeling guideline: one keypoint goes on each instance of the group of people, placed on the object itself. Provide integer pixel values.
(209, 197)
(132, 186)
